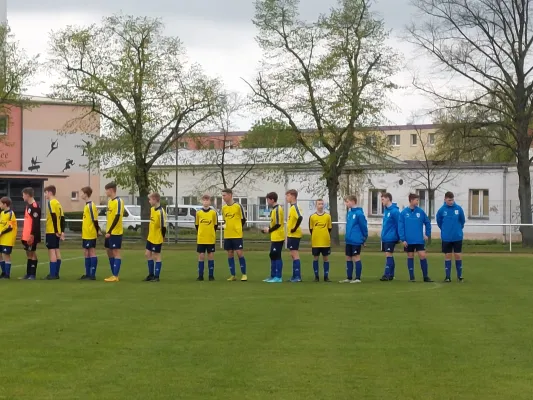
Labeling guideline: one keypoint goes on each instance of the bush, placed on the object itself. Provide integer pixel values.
(74, 226)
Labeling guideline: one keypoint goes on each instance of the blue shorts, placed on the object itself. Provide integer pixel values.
(88, 243)
(154, 248)
(352, 250)
(114, 242)
(6, 249)
(52, 241)
(205, 248)
(275, 250)
(415, 248)
(233, 244)
(293, 243)
(452, 247)
(388, 247)
(317, 251)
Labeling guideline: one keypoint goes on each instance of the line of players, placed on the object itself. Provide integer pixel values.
(411, 227)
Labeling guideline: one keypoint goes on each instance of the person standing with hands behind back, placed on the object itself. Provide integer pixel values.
(114, 231)
(294, 234)
(356, 236)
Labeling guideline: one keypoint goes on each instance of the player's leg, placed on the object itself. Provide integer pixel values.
(58, 258)
(229, 246)
(458, 254)
(272, 256)
(158, 263)
(148, 254)
(34, 261)
(115, 242)
(296, 264)
(201, 249)
(211, 261)
(2, 262)
(7, 261)
(109, 251)
(52, 258)
(315, 251)
(276, 249)
(411, 262)
(386, 271)
(94, 259)
(349, 264)
(422, 255)
(242, 260)
(87, 258)
(358, 265)
(325, 257)
(447, 251)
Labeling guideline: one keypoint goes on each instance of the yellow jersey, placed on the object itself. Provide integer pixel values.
(115, 208)
(90, 216)
(295, 212)
(54, 212)
(233, 218)
(158, 221)
(277, 218)
(320, 226)
(8, 228)
(206, 224)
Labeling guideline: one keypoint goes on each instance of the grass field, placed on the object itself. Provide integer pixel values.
(181, 339)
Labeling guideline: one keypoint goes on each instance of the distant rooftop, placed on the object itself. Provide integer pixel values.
(49, 100)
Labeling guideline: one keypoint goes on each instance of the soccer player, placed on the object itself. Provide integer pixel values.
(389, 234)
(411, 226)
(277, 238)
(355, 236)
(31, 232)
(294, 233)
(206, 226)
(90, 230)
(320, 228)
(234, 221)
(114, 230)
(451, 222)
(157, 231)
(55, 225)
(8, 236)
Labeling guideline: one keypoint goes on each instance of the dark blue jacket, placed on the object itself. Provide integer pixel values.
(411, 226)
(451, 221)
(389, 227)
(356, 227)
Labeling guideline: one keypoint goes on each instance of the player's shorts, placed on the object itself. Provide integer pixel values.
(352, 250)
(324, 251)
(275, 250)
(233, 244)
(27, 247)
(52, 241)
(205, 248)
(452, 247)
(6, 249)
(114, 242)
(293, 243)
(154, 248)
(415, 248)
(88, 243)
(387, 247)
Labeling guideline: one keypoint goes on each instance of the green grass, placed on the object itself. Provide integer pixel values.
(181, 339)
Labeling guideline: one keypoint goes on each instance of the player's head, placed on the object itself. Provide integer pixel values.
(154, 199)
(413, 200)
(50, 192)
(449, 198)
(227, 196)
(291, 196)
(320, 205)
(5, 203)
(386, 199)
(86, 193)
(272, 198)
(27, 194)
(350, 201)
(111, 190)
(206, 201)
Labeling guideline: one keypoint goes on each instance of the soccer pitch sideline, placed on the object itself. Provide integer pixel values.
(182, 339)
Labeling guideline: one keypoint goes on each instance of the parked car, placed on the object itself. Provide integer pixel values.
(131, 218)
(184, 215)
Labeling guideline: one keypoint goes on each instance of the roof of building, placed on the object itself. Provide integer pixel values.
(29, 175)
(52, 101)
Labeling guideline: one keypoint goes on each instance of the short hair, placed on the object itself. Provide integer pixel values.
(317, 200)
(351, 197)
(6, 201)
(206, 197)
(448, 195)
(228, 191)
(413, 196)
(51, 189)
(272, 196)
(292, 192)
(156, 196)
(87, 190)
(28, 191)
(387, 196)
(111, 185)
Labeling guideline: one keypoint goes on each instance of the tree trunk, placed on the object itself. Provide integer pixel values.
(144, 190)
(524, 196)
(333, 193)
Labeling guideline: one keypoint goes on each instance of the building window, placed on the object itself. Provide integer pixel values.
(370, 140)
(414, 139)
(75, 196)
(183, 145)
(228, 144)
(394, 140)
(264, 212)
(479, 203)
(423, 201)
(216, 202)
(243, 201)
(376, 208)
(190, 201)
(3, 125)
(211, 144)
(431, 139)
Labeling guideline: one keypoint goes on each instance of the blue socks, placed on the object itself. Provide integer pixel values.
(273, 268)
(411, 268)
(211, 267)
(279, 268)
(201, 267)
(296, 273)
(53, 268)
(94, 265)
(326, 269)
(458, 267)
(116, 269)
(58, 266)
(87, 266)
(201, 264)
(349, 269)
(424, 266)
(392, 267)
(231, 263)
(448, 268)
(112, 265)
(315, 268)
(3, 266)
(151, 267)
(358, 269)
(8, 268)
(157, 270)
(242, 263)
(389, 267)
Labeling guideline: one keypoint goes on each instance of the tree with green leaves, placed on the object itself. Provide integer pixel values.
(330, 77)
(140, 84)
(269, 133)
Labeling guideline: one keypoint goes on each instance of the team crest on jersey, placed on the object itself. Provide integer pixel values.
(445, 213)
(353, 216)
(35, 215)
(456, 212)
(418, 215)
(388, 214)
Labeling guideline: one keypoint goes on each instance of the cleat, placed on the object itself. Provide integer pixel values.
(295, 280)
(231, 278)
(356, 281)
(412, 280)
(267, 279)
(149, 278)
(447, 280)
(50, 278)
(92, 278)
(391, 278)
(200, 278)
(244, 278)
(211, 278)
(275, 280)
(112, 279)
(460, 280)
(326, 279)
(30, 277)
(427, 279)
(155, 279)
(385, 278)
(347, 280)
(2, 275)
(84, 278)
(317, 279)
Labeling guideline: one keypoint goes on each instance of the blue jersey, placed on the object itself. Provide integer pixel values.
(411, 225)
(451, 221)
(356, 227)
(389, 227)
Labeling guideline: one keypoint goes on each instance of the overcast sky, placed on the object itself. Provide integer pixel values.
(217, 33)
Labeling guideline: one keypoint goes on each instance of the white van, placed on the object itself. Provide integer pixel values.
(185, 215)
(131, 219)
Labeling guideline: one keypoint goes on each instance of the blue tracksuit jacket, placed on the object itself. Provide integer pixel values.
(389, 227)
(451, 221)
(411, 225)
(356, 227)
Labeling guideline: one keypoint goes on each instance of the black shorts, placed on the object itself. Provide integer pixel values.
(6, 249)
(452, 247)
(324, 251)
(415, 248)
(88, 243)
(52, 241)
(114, 242)
(293, 243)
(352, 250)
(154, 248)
(27, 247)
(233, 244)
(205, 248)
(387, 247)
(276, 249)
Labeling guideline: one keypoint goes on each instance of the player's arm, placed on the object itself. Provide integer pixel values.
(94, 219)
(62, 221)
(163, 221)
(215, 220)
(401, 228)
(196, 221)
(311, 225)
(277, 224)
(439, 218)
(427, 225)
(55, 213)
(330, 225)
(8, 228)
(298, 221)
(35, 221)
(363, 225)
(116, 209)
(243, 216)
(462, 219)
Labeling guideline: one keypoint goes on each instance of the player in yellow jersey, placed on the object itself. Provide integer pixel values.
(90, 230)
(8, 236)
(206, 225)
(157, 231)
(114, 230)
(294, 233)
(55, 227)
(234, 221)
(277, 238)
(320, 228)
